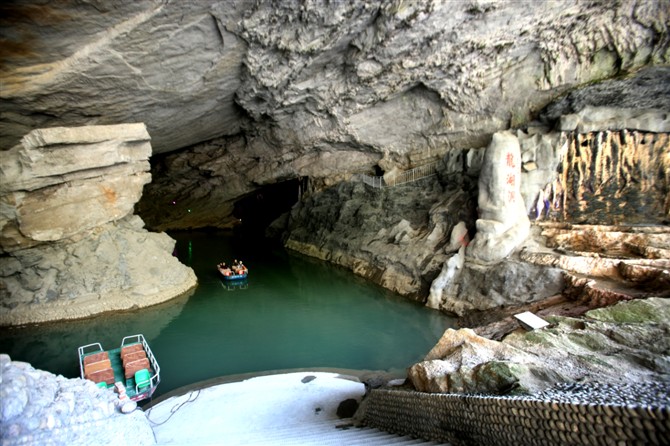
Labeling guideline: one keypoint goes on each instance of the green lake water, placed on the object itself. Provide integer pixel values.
(292, 312)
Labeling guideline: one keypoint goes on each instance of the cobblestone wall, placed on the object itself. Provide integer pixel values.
(637, 415)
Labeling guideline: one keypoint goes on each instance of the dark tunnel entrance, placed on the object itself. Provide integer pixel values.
(260, 208)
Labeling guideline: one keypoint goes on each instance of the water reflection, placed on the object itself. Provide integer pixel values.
(235, 285)
(53, 346)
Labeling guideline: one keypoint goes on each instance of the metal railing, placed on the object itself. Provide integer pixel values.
(408, 176)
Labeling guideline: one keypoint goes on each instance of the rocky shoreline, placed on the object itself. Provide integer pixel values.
(623, 343)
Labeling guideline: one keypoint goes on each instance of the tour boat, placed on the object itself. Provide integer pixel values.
(228, 274)
(132, 368)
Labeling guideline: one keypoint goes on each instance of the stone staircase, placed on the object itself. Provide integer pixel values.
(325, 433)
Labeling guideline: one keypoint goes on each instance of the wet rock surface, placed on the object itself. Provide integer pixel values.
(395, 237)
(38, 407)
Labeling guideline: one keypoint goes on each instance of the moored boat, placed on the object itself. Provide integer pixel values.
(132, 368)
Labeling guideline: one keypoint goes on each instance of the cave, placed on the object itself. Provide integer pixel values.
(474, 160)
(257, 210)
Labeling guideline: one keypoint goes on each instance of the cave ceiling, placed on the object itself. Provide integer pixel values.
(314, 87)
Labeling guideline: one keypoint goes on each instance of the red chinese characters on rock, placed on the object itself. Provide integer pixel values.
(510, 177)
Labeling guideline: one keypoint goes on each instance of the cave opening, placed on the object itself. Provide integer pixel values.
(258, 209)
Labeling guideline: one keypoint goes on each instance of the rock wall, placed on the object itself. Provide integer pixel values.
(295, 91)
(396, 239)
(72, 247)
(536, 173)
(616, 178)
(258, 93)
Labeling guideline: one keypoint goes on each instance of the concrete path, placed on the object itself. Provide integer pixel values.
(288, 409)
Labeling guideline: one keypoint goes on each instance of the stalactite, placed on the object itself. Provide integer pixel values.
(613, 177)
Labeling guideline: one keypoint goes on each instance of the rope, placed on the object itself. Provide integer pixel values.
(174, 409)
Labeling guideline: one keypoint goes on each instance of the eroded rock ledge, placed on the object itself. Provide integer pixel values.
(72, 247)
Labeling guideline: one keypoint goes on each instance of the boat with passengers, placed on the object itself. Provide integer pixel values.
(237, 271)
(132, 368)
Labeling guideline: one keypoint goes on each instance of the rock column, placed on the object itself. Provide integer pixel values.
(72, 246)
(503, 223)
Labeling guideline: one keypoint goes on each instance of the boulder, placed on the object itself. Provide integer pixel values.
(463, 362)
(114, 267)
(464, 286)
(624, 343)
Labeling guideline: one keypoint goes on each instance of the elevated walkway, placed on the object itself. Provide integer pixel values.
(406, 177)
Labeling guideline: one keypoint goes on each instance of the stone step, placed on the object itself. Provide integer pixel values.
(327, 433)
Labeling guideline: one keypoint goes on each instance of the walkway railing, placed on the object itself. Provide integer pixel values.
(408, 176)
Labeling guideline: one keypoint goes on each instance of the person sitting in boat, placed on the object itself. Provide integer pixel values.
(240, 268)
(224, 269)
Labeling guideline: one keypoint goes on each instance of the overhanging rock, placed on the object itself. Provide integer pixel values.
(72, 246)
(61, 181)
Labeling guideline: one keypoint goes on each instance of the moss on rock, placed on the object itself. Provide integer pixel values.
(651, 310)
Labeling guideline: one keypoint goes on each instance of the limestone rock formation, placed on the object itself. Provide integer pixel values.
(62, 181)
(599, 177)
(170, 65)
(242, 96)
(627, 342)
(503, 221)
(617, 177)
(359, 85)
(72, 246)
(463, 362)
(114, 267)
(504, 265)
(37, 407)
(396, 238)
